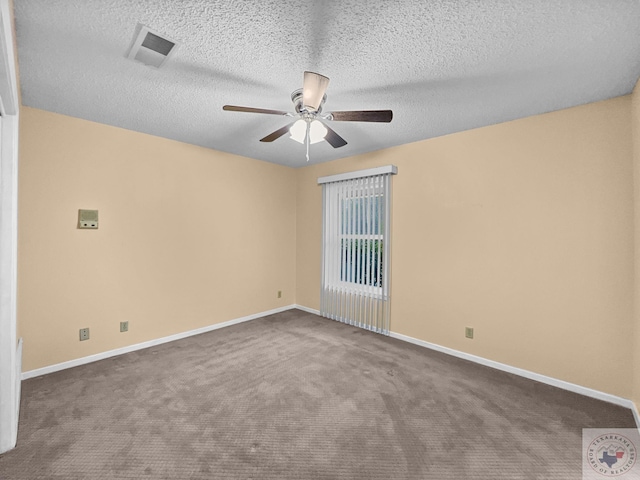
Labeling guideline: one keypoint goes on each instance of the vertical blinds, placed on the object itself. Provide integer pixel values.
(356, 248)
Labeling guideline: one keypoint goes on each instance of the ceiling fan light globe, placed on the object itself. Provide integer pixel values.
(297, 131)
(317, 131)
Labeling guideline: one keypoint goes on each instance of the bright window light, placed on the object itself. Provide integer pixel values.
(317, 131)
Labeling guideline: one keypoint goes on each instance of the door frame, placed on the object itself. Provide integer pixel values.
(10, 347)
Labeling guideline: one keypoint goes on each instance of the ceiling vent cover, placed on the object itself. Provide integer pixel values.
(151, 48)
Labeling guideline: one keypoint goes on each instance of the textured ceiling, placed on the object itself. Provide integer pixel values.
(442, 66)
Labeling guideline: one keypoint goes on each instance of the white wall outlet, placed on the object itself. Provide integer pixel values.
(84, 334)
(468, 332)
(124, 326)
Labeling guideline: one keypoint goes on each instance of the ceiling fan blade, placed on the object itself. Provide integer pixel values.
(277, 134)
(235, 108)
(363, 116)
(335, 140)
(313, 90)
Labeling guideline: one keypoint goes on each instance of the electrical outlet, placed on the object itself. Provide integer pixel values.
(84, 334)
(468, 332)
(124, 326)
(279, 293)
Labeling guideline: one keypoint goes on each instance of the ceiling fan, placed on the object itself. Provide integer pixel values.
(310, 126)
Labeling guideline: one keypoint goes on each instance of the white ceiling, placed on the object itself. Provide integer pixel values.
(442, 66)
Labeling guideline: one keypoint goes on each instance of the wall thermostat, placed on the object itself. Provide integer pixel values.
(87, 218)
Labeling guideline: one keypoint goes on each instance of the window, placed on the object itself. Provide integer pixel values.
(356, 248)
(362, 238)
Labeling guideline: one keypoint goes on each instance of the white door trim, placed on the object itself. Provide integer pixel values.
(9, 346)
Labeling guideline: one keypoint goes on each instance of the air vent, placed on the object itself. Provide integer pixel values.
(150, 47)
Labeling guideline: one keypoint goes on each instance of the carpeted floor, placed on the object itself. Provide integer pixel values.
(296, 396)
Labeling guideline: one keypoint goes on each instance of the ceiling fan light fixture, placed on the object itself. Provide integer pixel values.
(317, 131)
(313, 90)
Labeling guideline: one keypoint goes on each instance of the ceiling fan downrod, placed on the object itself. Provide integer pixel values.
(307, 137)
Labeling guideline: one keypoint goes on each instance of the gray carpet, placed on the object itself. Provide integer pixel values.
(296, 396)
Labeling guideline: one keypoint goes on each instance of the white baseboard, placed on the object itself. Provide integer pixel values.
(307, 309)
(634, 409)
(140, 346)
(18, 377)
(572, 387)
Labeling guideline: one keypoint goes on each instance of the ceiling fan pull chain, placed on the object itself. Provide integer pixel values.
(307, 139)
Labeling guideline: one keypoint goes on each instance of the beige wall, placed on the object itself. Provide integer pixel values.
(522, 230)
(635, 123)
(188, 237)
